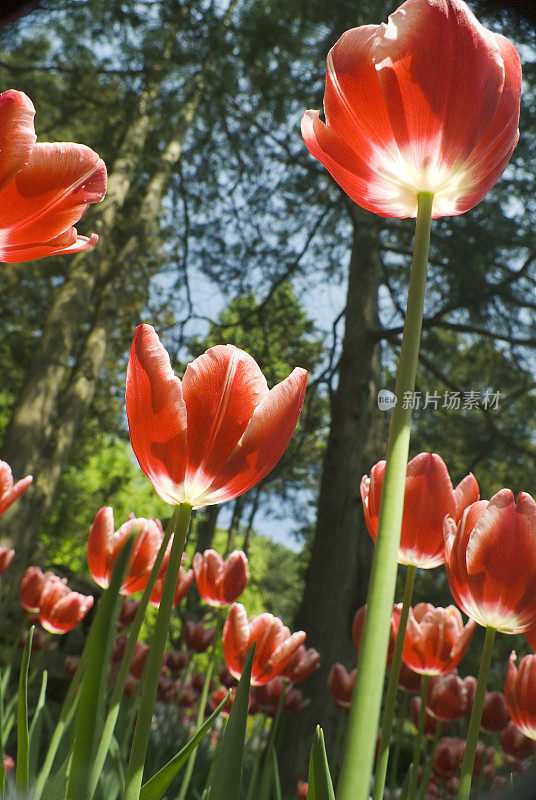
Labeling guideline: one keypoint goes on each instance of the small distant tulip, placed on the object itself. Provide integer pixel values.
(128, 611)
(275, 644)
(131, 684)
(6, 557)
(428, 498)
(32, 584)
(428, 102)
(176, 661)
(198, 681)
(447, 697)
(495, 712)
(302, 665)
(9, 764)
(141, 651)
(448, 756)
(9, 492)
(214, 435)
(197, 637)
(341, 684)
(60, 608)
(436, 639)
(40, 642)
(493, 582)
(70, 664)
(520, 693)
(44, 188)
(514, 743)
(118, 648)
(220, 582)
(302, 788)
(295, 701)
(227, 680)
(470, 684)
(430, 722)
(104, 546)
(184, 581)
(359, 622)
(187, 696)
(219, 695)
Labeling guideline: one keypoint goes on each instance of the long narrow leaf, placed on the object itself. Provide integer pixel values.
(91, 693)
(22, 775)
(36, 726)
(320, 784)
(228, 771)
(155, 787)
(277, 781)
(2, 743)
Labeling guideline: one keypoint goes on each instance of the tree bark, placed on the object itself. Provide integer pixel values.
(336, 579)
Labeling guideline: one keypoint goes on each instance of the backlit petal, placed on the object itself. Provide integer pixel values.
(17, 134)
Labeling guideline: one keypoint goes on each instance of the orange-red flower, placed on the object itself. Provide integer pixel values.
(7, 555)
(436, 639)
(197, 637)
(428, 498)
(520, 693)
(275, 644)
(447, 697)
(44, 188)
(428, 102)
(9, 492)
(30, 588)
(494, 712)
(220, 582)
(491, 562)
(514, 743)
(184, 581)
(61, 609)
(104, 546)
(302, 788)
(214, 435)
(341, 684)
(302, 664)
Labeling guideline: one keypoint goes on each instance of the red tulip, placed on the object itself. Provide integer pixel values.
(302, 664)
(408, 680)
(9, 764)
(104, 546)
(494, 713)
(470, 685)
(427, 103)
(9, 492)
(275, 644)
(302, 787)
(436, 639)
(491, 562)
(359, 622)
(447, 697)
(341, 684)
(70, 664)
(184, 581)
(227, 680)
(514, 743)
(197, 637)
(220, 582)
(520, 693)
(214, 435)
(430, 722)
(6, 557)
(448, 756)
(60, 608)
(31, 585)
(118, 648)
(128, 611)
(219, 695)
(176, 661)
(44, 188)
(139, 657)
(428, 498)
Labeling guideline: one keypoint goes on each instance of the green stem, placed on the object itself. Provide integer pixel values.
(430, 762)
(401, 719)
(358, 757)
(267, 768)
(120, 681)
(257, 761)
(340, 730)
(419, 738)
(392, 688)
(202, 704)
(22, 775)
(134, 776)
(476, 715)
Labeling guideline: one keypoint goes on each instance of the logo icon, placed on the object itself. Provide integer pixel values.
(386, 400)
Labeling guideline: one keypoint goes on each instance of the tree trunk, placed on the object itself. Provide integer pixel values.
(336, 579)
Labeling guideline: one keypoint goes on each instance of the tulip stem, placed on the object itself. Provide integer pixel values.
(476, 715)
(354, 781)
(180, 523)
(392, 688)
(430, 763)
(419, 738)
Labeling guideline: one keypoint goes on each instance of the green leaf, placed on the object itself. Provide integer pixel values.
(56, 786)
(155, 787)
(228, 770)
(320, 785)
(22, 775)
(92, 687)
(277, 782)
(37, 725)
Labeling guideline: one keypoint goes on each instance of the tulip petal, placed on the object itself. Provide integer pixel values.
(442, 104)
(156, 415)
(98, 546)
(48, 196)
(17, 134)
(222, 389)
(264, 441)
(466, 493)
